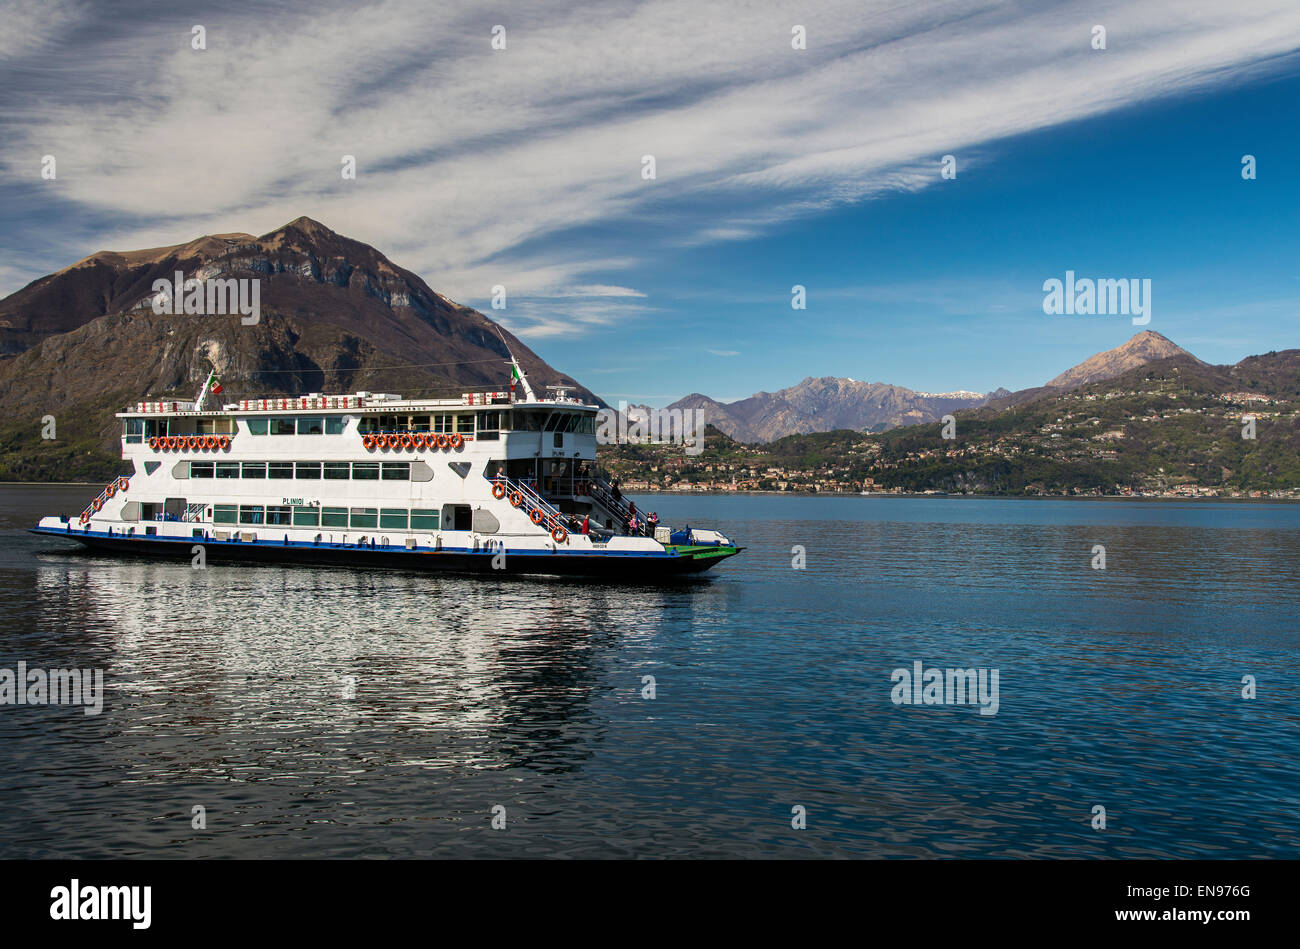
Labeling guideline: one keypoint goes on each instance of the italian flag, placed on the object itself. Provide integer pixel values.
(514, 376)
(214, 386)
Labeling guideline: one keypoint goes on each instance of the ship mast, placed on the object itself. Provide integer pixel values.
(203, 393)
(517, 371)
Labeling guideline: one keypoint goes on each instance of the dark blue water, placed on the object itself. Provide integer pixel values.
(353, 713)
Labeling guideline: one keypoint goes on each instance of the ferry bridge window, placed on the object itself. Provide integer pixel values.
(306, 517)
(282, 426)
(419, 423)
(336, 471)
(278, 514)
(201, 469)
(309, 470)
(250, 514)
(223, 426)
(365, 471)
(227, 469)
(443, 424)
(587, 424)
(254, 469)
(392, 518)
(397, 471)
(155, 427)
(488, 425)
(424, 520)
(311, 425)
(334, 424)
(225, 514)
(204, 426)
(367, 424)
(465, 424)
(279, 469)
(133, 429)
(256, 426)
(333, 517)
(365, 517)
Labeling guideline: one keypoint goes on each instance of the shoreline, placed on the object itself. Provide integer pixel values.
(837, 494)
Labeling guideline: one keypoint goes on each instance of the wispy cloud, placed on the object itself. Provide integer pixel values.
(523, 167)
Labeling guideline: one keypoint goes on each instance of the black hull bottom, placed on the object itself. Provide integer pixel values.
(622, 567)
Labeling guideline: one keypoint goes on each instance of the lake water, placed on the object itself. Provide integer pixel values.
(353, 713)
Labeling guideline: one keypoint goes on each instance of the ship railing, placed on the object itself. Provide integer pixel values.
(532, 500)
(621, 507)
(103, 494)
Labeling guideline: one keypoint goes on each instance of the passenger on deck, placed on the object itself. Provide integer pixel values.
(586, 524)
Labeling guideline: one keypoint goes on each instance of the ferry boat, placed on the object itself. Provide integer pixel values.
(485, 483)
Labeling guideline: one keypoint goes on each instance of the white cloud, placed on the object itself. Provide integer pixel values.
(475, 167)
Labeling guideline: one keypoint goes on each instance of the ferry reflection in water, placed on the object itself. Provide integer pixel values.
(498, 673)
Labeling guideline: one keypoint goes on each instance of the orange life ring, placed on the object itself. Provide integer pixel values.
(368, 441)
(85, 517)
(516, 499)
(536, 516)
(393, 441)
(559, 535)
(97, 504)
(408, 441)
(225, 442)
(210, 442)
(499, 490)
(456, 440)
(123, 484)
(193, 443)
(422, 441)
(110, 489)
(153, 442)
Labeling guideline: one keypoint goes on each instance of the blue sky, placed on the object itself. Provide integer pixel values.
(774, 166)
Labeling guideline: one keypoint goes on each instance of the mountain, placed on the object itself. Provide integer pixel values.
(1174, 427)
(336, 315)
(830, 403)
(824, 404)
(1145, 347)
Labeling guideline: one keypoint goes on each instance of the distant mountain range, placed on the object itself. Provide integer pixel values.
(1171, 427)
(336, 316)
(828, 403)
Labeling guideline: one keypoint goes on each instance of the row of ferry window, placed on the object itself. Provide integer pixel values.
(386, 518)
(297, 425)
(137, 430)
(304, 470)
(490, 424)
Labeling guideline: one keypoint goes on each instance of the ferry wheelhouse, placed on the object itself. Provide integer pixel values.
(482, 483)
